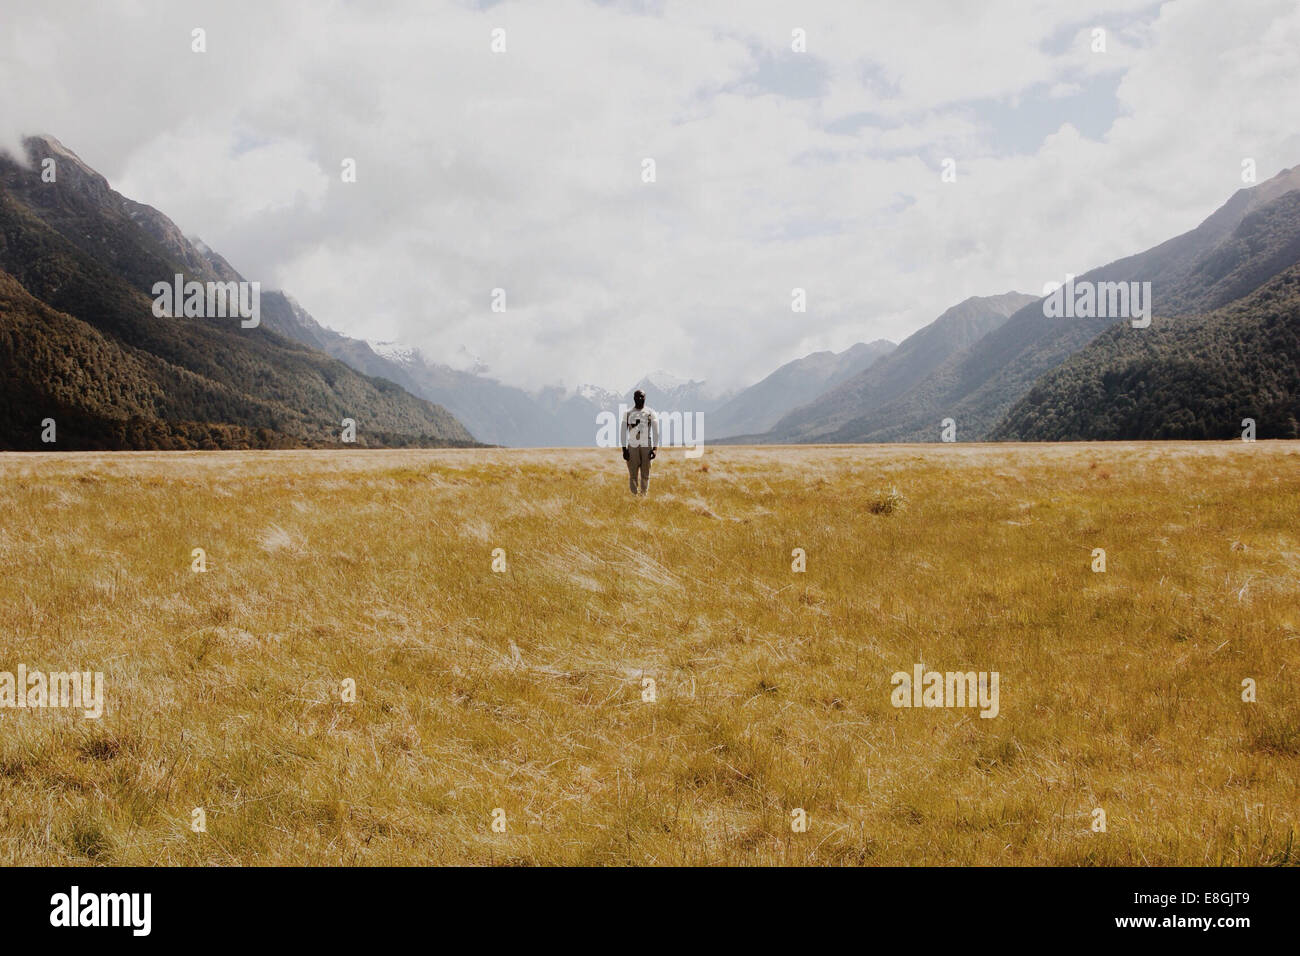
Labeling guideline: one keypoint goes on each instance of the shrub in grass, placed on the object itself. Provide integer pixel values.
(887, 502)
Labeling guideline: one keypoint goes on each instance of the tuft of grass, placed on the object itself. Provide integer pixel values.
(89, 838)
(886, 502)
(1281, 738)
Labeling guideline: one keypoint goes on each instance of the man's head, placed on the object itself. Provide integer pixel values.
(639, 397)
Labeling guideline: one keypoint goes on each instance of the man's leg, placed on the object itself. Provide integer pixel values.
(645, 470)
(633, 457)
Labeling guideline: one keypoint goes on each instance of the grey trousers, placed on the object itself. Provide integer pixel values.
(638, 459)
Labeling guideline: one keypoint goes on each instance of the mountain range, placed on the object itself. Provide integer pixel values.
(838, 409)
(1030, 376)
(80, 345)
(77, 263)
(761, 406)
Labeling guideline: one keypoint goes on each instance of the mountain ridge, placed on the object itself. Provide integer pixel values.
(92, 256)
(977, 386)
(916, 356)
(760, 406)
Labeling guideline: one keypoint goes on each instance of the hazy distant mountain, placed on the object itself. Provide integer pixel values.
(550, 417)
(82, 346)
(916, 357)
(978, 386)
(502, 414)
(759, 407)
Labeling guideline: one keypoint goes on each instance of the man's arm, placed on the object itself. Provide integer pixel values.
(654, 434)
(622, 435)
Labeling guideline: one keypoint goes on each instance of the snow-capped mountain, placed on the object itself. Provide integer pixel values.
(395, 352)
(502, 414)
(600, 397)
(667, 392)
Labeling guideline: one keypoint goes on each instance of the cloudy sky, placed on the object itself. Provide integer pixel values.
(775, 168)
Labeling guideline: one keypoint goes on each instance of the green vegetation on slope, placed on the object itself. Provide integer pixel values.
(158, 382)
(1191, 377)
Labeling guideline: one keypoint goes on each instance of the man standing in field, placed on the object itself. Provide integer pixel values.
(640, 432)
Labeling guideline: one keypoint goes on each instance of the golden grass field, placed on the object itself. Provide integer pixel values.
(522, 690)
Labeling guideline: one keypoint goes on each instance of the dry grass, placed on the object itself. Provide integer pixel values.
(523, 690)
